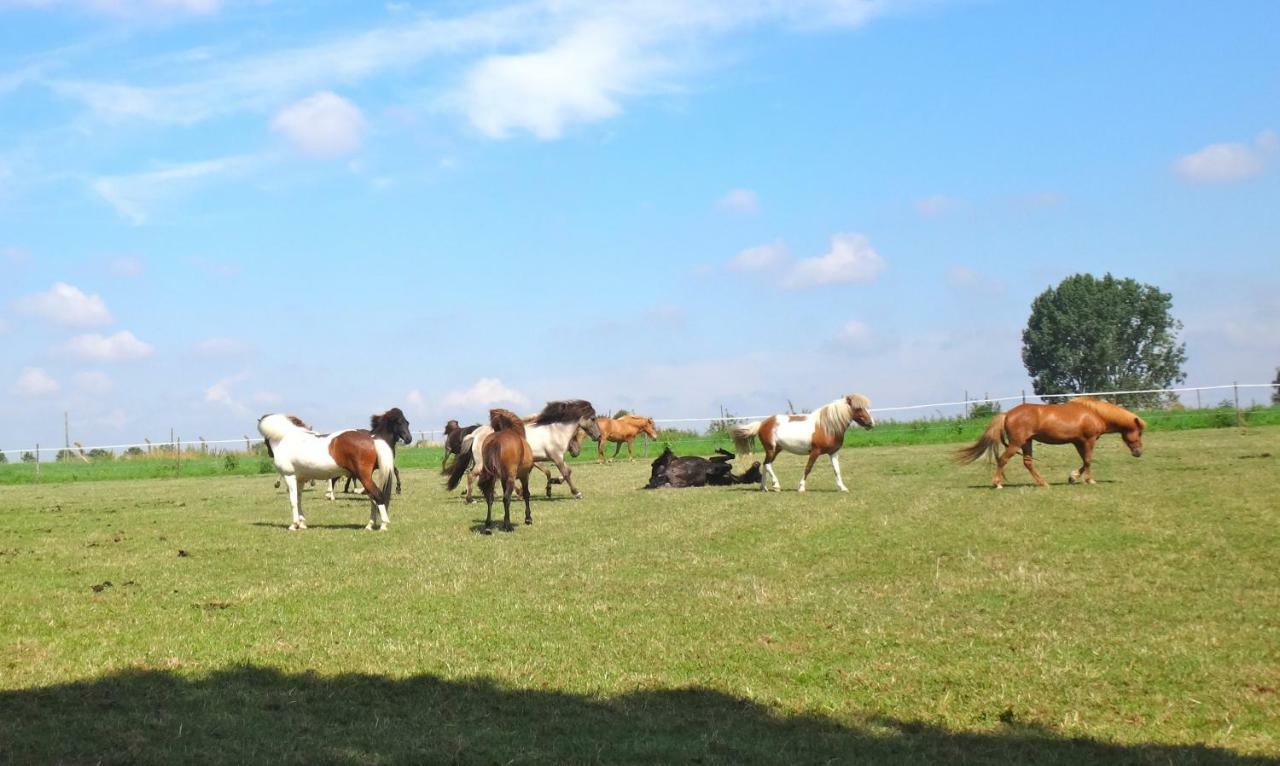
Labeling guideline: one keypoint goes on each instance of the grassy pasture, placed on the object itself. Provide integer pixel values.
(920, 618)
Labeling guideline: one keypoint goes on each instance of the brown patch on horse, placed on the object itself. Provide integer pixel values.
(354, 452)
(824, 443)
(297, 421)
(795, 418)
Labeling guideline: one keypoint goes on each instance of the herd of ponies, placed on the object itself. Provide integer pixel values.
(509, 447)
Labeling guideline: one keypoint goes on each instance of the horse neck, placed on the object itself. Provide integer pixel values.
(832, 418)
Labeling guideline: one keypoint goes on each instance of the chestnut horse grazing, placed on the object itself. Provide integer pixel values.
(1079, 422)
(818, 433)
(505, 456)
(301, 454)
(621, 431)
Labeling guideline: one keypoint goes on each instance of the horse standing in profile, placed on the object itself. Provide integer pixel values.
(453, 436)
(505, 456)
(621, 431)
(551, 433)
(301, 454)
(817, 433)
(1079, 421)
(393, 428)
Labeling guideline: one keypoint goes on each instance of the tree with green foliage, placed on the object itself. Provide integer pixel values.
(1108, 334)
(3, 458)
(1275, 392)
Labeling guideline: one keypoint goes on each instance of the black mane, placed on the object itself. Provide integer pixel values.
(570, 411)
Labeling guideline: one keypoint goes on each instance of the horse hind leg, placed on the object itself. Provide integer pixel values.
(1029, 461)
(295, 503)
(524, 494)
(377, 502)
(507, 486)
(997, 481)
(486, 489)
(767, 471)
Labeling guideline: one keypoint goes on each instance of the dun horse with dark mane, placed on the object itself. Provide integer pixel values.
(1080, 422)
(505, 456)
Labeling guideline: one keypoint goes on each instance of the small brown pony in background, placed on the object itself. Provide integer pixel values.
(1079, 421)
(623, 430)
(507, 457)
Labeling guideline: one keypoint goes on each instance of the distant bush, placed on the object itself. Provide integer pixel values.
(65, 455)
(3, 458)
(266, 464)
(230, 462)
(984, 410)
(28, 457)
(134, 452)
(97, 453)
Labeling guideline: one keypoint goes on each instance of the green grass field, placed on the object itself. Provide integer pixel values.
(920, 618)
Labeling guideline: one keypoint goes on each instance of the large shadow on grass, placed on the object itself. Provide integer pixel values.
(258, 715)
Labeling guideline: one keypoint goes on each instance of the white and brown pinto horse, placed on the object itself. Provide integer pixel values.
(814, 434)
(550, 433)
(301, 454)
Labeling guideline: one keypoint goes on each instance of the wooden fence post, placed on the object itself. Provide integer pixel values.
(1235, 387)
(37, 462)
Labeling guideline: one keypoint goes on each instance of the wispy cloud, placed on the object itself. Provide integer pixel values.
(34, 382)
(221, 393)
(739, 201)
(121, 347)
(760, 257)
(322, 125)
(124, 7)
(134, 196)
(485, 392)
(1225, 163)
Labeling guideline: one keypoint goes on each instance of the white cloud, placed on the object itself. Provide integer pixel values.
(125, 7)
(578, 79)
(220, 393)
(126, 266)
(856, 335)
(133, 196)
(218, 346)
(120, 347)
(1224, 163)
(936, 205)
(485, 392)
(760, 257)
(34, 382)
(93, 382)
(850, 259)
(322, 125)
(66, 305)
(416, 402)
(739, 201)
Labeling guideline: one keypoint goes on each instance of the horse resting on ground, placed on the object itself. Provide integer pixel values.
(550, 433)
(814, 434)
(505, 456)
(453, 436)
(301, 454)
(392, 427)
(621, 431)
(678, 472)
(1079, 421)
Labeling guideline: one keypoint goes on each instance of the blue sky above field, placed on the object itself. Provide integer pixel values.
(211, 209)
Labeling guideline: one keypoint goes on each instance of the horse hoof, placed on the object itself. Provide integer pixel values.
(844, 489)
(368, 527)
(508, 528)
(1090, 481)
(997, 486)
(578, 496)
(528, 522)
(294, 527)
(486, 531)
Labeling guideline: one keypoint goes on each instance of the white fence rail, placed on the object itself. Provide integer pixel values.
(176, 444)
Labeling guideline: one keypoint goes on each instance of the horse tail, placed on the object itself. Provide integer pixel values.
(460, 465)
(993, 436)
(744, 436)
(386, 466)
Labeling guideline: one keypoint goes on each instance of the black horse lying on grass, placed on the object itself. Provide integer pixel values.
(679, 472)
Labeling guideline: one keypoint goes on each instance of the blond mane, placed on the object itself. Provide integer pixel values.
(836, 416)
(1112, 413)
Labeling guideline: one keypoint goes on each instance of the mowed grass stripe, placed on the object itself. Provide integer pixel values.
(919, 617)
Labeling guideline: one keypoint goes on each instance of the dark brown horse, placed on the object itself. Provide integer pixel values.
(505, 456)
(1079, 422)
(623, 430)
(453, 436)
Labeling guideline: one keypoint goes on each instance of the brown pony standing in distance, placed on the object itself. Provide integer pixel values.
(507, 457)
(623, 430)
(1079, 421)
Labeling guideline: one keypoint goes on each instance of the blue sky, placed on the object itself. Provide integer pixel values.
(212, 209)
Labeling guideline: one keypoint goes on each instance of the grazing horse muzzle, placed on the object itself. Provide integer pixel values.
(1137, 451)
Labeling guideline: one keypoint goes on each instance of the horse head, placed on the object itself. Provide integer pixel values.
(861, 407)
(394, 423)
(1133, 436)
(450, 427)
(649, 428)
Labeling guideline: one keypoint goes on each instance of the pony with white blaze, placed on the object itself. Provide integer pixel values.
(817, 433)
(301, 454)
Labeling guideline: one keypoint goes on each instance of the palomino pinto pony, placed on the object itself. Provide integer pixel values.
(621, 431)
(300, 454)
(814, 434)
(1080, 422)
(393, 428)
(505, 456)
(551, 433)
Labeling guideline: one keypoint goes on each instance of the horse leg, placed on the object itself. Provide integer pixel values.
(997, 481)
(631, 456)
(295, 502)
(1029, 461)
(835, 466)
(600, 449)
(487, 489)
(1087, 454)
(471, 476)
(1074, 476)
(566, 474)
(524, 494)
(333, 485)
(769, 454)
(377, 502)
(507, 485)
(813, 457)
(617, 447)
(396, 471)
